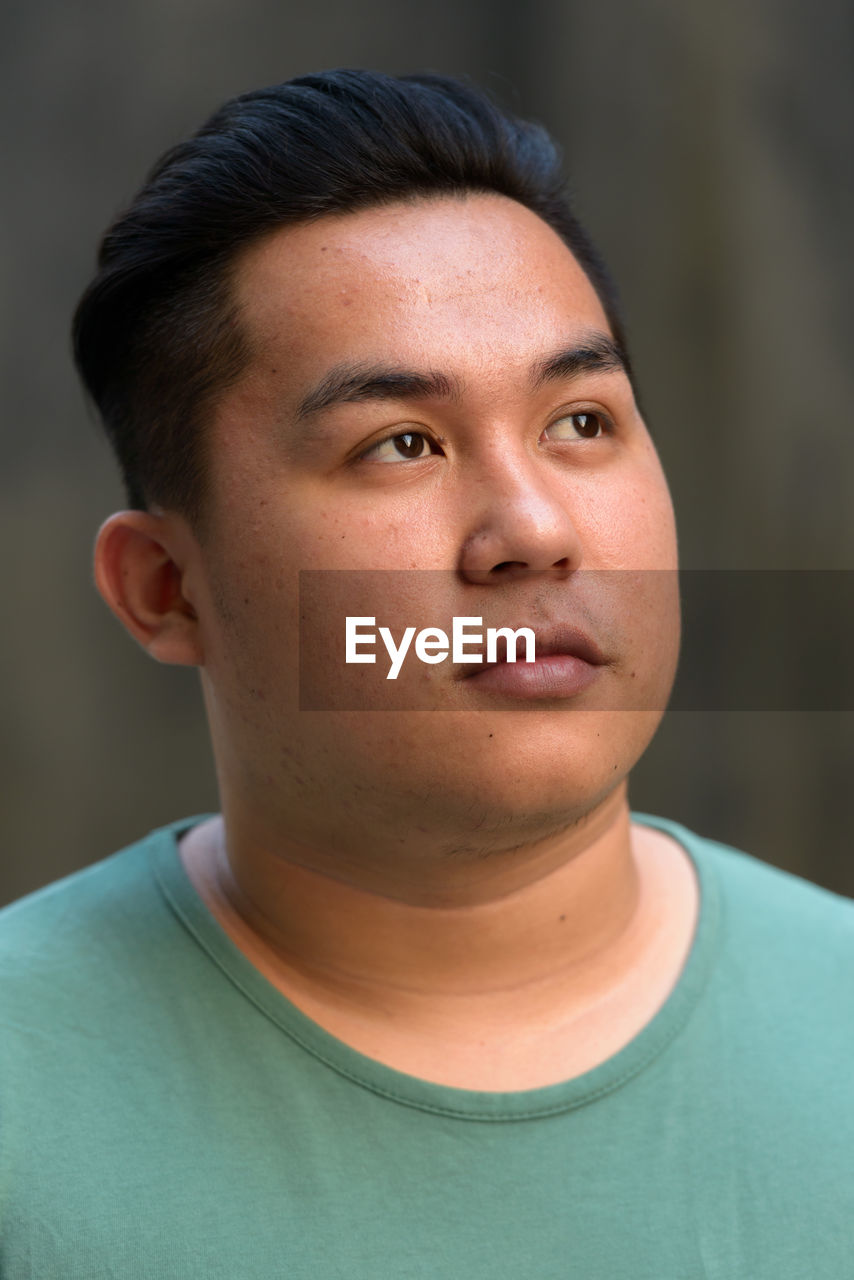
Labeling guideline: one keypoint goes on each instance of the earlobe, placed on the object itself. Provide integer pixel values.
(142, 583)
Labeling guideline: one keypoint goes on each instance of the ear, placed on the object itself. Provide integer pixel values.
(140, 570)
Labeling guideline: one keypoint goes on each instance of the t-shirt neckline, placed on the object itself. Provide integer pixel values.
(398, 1086)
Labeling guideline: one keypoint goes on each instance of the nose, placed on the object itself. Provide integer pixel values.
(521, 522)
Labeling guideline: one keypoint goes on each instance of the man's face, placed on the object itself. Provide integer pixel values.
(409, 406)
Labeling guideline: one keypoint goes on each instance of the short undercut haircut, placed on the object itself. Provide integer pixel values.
(157, 338)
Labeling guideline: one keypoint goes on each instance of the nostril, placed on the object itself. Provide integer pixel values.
(505, 567)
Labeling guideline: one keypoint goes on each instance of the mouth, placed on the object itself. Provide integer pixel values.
(558, 640)
(567, 661)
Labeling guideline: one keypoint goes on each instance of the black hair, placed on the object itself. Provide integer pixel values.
(156, 335)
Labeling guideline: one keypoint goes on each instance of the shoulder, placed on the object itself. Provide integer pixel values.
(770, 899)
(780, 911)
(783, 947)
(80, 922)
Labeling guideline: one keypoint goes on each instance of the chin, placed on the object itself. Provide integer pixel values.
(509, 773)
(489, 820)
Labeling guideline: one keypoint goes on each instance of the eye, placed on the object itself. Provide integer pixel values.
(406, 447)
(584, 425)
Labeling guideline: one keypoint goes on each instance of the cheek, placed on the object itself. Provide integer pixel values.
(250, 612)
(628, 522)
(404, 532)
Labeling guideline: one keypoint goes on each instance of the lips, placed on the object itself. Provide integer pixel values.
(555, 639)
(567, 662)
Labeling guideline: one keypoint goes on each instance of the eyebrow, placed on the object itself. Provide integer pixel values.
(349, 382)
(599, 353)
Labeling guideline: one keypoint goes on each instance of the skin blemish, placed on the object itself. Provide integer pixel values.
(563, 917)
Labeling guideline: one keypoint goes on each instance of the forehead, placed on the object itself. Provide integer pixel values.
(449, 278)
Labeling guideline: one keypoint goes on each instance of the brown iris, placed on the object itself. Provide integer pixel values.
(409, 445)
(586, 424)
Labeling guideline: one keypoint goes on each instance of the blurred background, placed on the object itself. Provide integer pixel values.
(709, 148)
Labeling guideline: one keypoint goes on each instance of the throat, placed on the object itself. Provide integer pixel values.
(509, 995)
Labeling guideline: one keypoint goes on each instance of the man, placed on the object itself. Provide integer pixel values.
(425, 999)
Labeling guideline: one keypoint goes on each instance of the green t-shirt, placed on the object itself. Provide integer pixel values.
(166, 1112)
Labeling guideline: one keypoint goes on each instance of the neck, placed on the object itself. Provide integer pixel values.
(525, 970)
(545, 914)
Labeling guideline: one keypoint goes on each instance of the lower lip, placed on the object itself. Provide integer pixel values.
(556, 675)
